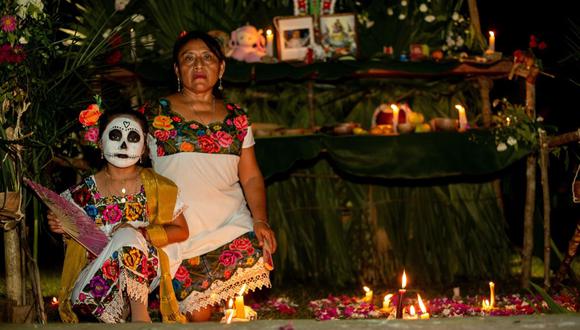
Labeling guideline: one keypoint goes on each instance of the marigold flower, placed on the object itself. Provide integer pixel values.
(8, 23)
(90, 116)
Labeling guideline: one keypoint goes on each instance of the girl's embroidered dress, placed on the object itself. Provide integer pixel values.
(222, 252)
(128, 267)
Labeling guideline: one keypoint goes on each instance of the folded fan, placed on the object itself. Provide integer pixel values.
(75, 222)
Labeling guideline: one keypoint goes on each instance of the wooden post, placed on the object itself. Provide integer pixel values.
(528, 243)
(544, 161)
(485, 85)
(475, 23)
(12, 262)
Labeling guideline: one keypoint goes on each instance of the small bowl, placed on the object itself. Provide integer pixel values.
(445, 124)
(405, 128)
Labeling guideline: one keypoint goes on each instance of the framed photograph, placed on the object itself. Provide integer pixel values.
(294, 34)
(338, 35)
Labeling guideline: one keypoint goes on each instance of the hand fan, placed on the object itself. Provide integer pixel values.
(74, 220)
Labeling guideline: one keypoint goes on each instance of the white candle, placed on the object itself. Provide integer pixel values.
(395, 109)
(230, 312)
(424, 315)
(491, 41)
(462, 117)
(269, 43)
(491, 294)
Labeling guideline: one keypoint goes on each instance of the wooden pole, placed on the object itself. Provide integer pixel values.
(485, 85)
(12, 260)
(479, 39)
(544, 161)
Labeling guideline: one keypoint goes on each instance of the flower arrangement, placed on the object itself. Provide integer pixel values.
(529, 57)
(89, 118)
(457, 34)
(513, 127)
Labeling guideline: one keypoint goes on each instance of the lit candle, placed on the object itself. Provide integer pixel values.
(424, 315)
(412, 313)
(491, 294)
(462, 117)
(240, 311)
(395, 117)
(368, 295)
(491, 41)
(485, 305)
(402, 291)
(54, 301)
(387, 303)
(230, 312)
(269, 43)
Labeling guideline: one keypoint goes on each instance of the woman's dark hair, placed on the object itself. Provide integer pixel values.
(109, 115)
(211, 43)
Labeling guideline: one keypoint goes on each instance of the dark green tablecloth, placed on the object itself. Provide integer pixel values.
(410, 156)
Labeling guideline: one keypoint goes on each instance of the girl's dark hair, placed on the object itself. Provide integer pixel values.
(109, 115)
(211, 43)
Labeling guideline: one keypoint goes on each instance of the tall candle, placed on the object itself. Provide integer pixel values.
(269, 43)
(491, 294)
(368, 295)
(462, 117)
(402, 291)
(491, 41)
(240, 310)
(395, 109)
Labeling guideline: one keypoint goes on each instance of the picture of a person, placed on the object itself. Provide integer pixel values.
(295, 40)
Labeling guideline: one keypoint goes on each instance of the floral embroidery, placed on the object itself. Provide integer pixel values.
(81, 196)
(132, 258)
(112, 214)
(98, 287)
(174, 134)
(110, 269)
(133, 211)
(163, 122)
(181, 274)
(229, 258)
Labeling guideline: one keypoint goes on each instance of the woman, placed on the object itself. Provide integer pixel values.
(140, 213)
(206, 147)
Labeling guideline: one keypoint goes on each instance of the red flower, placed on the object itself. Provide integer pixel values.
(114, 58)
(533, 42)
(542, 45)
(81, 196)
(176, 119)
(160, 152)
(241, 244)
(110, 269)
(161, 135)
(182, 274)
(519, 56)
(228, 258)
(208, 144)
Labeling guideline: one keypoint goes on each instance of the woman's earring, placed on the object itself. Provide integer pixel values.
(178, 85)
(220, 87)
(102, 155)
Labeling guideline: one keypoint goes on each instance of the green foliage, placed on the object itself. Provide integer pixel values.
(553, 307)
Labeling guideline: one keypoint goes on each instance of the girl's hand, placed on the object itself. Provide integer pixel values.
(54, 223)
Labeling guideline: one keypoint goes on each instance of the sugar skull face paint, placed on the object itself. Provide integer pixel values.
(123, 142)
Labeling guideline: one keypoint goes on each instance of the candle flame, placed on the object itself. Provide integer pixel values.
(404, 280)
(366, 288)
(268, 32)
(54, 301)
(231, 303)
(491, 34)
(242, 290)
(421, 304)
(388, 297)
(485, 304)
(412, 310)
(394, 107)
(459, 108)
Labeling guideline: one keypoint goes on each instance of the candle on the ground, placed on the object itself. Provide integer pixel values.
(402, 291)
(491, 294)
(230, 312)
(240, 311)
(491, 41)
(412, 313)
(387, 303)
(424, 315)
(395, 109)
(368, 295)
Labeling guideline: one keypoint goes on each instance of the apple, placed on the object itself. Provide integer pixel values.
(416, 118)
(423, 128)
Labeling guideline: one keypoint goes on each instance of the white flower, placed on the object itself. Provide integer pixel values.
(455, 16)
(540, 119)
(501, 147)
(137, 18)
(22, 40)
(512, 141)
(423, 8)
(459, 41)
(106, 34)
(402, 17)
(390, 11)
(450, 42)
(404, 3)
(36, 8)
(370, 23)
(121, 4)
(429, 18)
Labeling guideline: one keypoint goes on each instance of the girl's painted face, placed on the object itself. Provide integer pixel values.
(123, 142)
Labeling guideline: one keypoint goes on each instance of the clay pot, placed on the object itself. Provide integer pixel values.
(445, 124)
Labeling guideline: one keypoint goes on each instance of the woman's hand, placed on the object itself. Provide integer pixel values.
(54, 223)
(265, 233)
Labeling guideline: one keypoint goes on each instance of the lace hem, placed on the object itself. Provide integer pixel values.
(135, 290)
(113, 310)
(255, 277)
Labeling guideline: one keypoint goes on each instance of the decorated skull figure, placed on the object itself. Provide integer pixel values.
(123, 141)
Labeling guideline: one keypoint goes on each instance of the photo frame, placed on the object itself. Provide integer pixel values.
(294, 35)
(338, 36)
